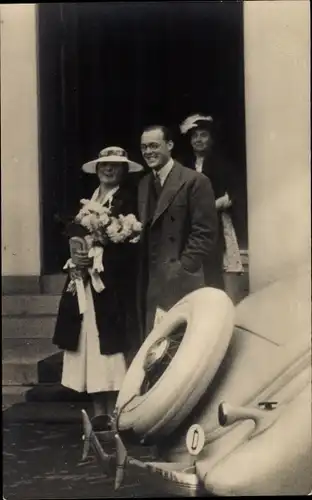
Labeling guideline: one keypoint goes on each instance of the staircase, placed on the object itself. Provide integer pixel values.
(29, 359)
(27, 328)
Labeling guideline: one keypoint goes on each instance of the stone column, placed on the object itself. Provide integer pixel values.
(20, 191)
(277, 93)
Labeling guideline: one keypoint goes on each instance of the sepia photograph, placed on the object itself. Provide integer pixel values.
(156, 249)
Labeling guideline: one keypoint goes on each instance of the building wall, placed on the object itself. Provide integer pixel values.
(19, 142)
(277, 92)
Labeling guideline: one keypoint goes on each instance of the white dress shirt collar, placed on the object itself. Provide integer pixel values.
(199, 163)
(108, 197)
(164, 171)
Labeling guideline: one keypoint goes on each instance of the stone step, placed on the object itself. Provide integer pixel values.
(30, 305)
(23, 373)
(47, 412)
(53, 283)
(41, 393)
(20, 349)
(13, 394)
(28, 326)
(24, 360)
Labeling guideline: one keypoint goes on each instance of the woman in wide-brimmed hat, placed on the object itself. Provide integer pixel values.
(95, 341)
(205, 158)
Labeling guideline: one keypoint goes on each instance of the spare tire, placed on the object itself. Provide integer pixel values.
(175, 364)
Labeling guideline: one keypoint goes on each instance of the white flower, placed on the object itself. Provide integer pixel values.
(92, 207)
(104, 219)
(113, 231)
(102, 226)
(94, 221)
(129, 218)
(95, 207)
(85, 222)
(136, 239)
(81, 214)
(137, 227)
(126, 232)
(131, 221)
(103, 210)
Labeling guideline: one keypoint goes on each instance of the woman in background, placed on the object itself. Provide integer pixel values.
(205, 158)
(96, 341)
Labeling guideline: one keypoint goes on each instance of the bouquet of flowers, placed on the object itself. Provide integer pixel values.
(97, 227)
(102, 227)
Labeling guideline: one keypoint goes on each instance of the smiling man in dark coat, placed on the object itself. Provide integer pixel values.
(180, 228)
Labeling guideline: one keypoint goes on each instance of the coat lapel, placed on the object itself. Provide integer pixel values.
(172, 185)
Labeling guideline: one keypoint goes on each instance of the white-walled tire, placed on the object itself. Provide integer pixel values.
(208, 314)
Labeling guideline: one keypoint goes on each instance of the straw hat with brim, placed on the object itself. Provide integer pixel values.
(112, 154)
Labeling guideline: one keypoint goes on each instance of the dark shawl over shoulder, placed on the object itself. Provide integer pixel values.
(115, 305)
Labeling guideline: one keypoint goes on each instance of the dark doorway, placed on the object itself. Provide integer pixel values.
(107, 69)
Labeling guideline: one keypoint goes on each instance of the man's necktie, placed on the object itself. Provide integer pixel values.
(157, 185)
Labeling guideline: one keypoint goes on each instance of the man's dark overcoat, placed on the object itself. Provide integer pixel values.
(178, 249)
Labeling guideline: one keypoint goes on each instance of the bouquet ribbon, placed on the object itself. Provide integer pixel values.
(96, 253)
(78, 284)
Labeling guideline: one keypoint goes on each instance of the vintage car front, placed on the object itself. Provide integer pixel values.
(250, 432)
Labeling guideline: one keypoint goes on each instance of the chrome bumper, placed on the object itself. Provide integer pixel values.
(171, 478)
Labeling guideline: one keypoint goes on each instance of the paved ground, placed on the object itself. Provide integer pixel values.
(43, 461)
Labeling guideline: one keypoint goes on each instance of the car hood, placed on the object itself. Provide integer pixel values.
(279, 311)
(271, 342)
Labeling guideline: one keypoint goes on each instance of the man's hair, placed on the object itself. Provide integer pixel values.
(165, 130)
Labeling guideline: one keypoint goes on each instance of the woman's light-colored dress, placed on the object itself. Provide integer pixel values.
(232, 262)
(87, 370)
